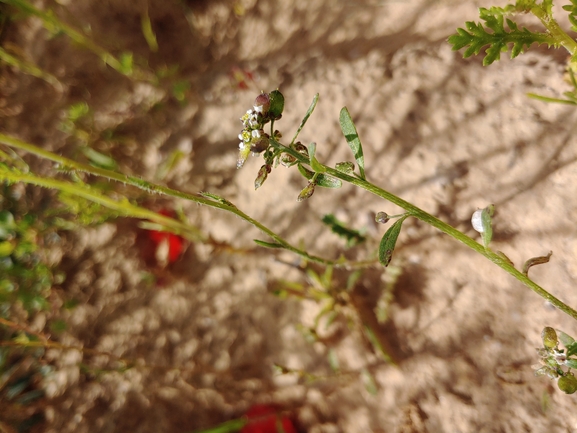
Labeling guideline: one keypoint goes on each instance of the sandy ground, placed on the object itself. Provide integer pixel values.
(446, 134)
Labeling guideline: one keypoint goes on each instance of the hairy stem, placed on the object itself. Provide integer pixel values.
(213, 201)
(555, 30)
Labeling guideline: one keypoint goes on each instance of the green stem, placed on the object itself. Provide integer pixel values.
(51, 22)
(123, 206)
(214, 201)
(440, 225)
(555, 29)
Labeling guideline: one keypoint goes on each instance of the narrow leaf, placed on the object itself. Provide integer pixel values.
(487, 233)
(315, 164)
(389, 240)
(273, 245)
(352, 137)
(307, 115)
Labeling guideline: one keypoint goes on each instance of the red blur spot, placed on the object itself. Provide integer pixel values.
(263, 418)
(175, 242)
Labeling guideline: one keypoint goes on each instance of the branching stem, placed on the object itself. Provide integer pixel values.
(442, 226)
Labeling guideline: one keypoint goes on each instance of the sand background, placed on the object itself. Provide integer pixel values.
(446, 134)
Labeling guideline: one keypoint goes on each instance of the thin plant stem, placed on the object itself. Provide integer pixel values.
(122, 206)
(213, 201)
(427, 218)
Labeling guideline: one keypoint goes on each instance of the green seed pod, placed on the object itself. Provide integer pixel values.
(549, 337)
(276, 104)
(567, 384)
(306, 192)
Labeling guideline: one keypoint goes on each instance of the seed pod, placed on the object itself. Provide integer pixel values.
(306, 192)
(302, 149)
(567, 384)
(382, 217)
(549, 337)
(262, 175)
(259, 145)
(287, 160)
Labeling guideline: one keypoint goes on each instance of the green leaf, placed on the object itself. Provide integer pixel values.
(476, 36)
(232, 426)
(307, 115)
(571, 363)
(323, 180)
(99, 159)
(352, 137)
(389, 240)
(487, 234)
(147, 31)
(315, 164)
(353, 237)
(273, 245)
(566, 339)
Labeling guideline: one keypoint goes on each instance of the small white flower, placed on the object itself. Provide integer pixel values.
(258, 108)
(256, 133)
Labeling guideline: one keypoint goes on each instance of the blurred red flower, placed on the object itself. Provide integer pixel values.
(168, 246)
(263, 418)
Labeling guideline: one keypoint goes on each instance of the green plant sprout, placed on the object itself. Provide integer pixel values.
(498, 38)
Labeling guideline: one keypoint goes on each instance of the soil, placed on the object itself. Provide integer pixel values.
(446, 134)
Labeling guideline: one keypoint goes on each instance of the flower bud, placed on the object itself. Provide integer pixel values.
(549, 337)
(567, 384)
(262, 103)
(306, 192)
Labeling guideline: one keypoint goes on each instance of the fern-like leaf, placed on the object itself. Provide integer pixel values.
(476, 36)
(572, 8)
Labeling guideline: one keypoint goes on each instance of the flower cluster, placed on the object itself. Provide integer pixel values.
(554, 360)
(267, 107)
(253, 138)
